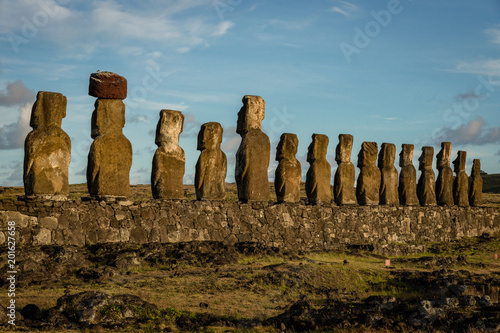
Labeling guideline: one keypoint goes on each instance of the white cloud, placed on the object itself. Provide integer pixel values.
(191, 125)
(12, 135)
(222, 28)
(154, 55)
(183, 49)
(344, 8)
(290, 24)
(112, 24)
(157, 23)
(16, 14)
(12, 173)
(16, 93)
(473, 133)
(131, 51)
(231, 140)
(494, 34)
(482, 67)
(138, 118)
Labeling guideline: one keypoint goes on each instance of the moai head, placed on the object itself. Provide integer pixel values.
(48, 110)
(406, 155)
(459, 162)
(209, 136)
(318, 147)
(251, 114)
(387, 155)
(476, 167)
(287, 147)
(425, 160)
(169, 128)
(444, 156)
(368, 154)
(344, 148)
(108, 117)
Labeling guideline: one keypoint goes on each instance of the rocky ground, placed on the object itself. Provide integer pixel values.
(208, 286)
(211, 287)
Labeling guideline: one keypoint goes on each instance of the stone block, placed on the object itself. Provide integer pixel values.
(48, 222)
(107, 85)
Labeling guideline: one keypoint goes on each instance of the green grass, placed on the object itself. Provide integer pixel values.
(491, 183)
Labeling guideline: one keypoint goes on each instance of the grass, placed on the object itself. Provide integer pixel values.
(491, 192)
(255, 288)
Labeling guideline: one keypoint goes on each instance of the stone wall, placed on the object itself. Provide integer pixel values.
(287, 226)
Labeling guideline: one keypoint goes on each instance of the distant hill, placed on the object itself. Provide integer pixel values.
(491, 183)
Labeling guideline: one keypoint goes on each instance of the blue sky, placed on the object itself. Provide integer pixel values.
(419, 72)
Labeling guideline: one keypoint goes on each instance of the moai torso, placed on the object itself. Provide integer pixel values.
(368, 185)
(407, 177)
(476, 189)
(252, 157)
(110, 156)
(343, 185)
(389, 175)
(318, 176)
(211, 167)
(461, 182)
(288, 173)
(47, 148)
(169, 160)
(444, 182)
(426, 188)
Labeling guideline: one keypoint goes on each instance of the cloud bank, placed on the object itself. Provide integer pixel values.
(474, 132)
(16, 94)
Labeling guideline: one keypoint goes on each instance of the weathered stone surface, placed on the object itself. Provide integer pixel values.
(389, 175)
(47, 148)
(107, 85)
(288, 173)
(407, 177)
(343, 184)
(319, 175)
(368, 185)
(461, 182)
(426, 187)
(444, 182)
(476, 188)
(169, 159)
(252, 157)
(211, 167)
(110, 156)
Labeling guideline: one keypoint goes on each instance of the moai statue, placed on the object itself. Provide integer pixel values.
(343, 184)
(389, 175)
(461, 182)
(252, 157)
(444, 182)
(211, 168)
(426, 187)
(169, 159)
(47, 149)
(476, 189)
(407, 177)
(288, 173)
(368, 186)
(319, 174)
(110, 156)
